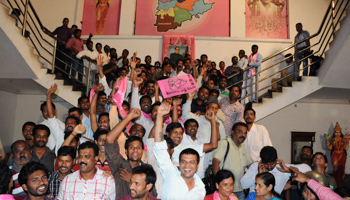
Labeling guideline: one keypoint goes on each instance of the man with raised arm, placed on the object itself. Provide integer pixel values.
(103, 119)
(183, 184)
(121, 168)
(70, 123)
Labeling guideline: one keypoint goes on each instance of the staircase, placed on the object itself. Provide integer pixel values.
(41, 49)
(33, 61)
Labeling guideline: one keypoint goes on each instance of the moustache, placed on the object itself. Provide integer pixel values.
(40, 141)
(23, 157)
(81, 163)
(242, 137)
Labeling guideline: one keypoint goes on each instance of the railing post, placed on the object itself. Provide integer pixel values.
(296, 71)
(54, 56)
(333, 7)
(25, 18)
(88, 79)
(256, 84)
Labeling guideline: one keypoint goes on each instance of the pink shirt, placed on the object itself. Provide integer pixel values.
(76, 44)
(323, 193)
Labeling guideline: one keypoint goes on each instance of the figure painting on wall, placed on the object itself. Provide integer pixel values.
(338, 144)
(102, 7)
(266, 19)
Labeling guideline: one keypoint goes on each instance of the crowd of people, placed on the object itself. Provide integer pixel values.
(126, 141)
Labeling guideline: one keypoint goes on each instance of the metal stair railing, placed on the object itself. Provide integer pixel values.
(330, 23)
(45, 44)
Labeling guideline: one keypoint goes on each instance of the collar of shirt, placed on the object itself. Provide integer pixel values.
(93, 178)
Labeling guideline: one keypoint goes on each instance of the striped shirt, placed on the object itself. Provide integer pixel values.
(74, 187)
(54, 183)
(103, 165)
(17, 192)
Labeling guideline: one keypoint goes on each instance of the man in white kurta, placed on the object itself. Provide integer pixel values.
(257, 136)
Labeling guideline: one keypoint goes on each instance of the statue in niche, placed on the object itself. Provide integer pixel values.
(102, 7)
(338, 145)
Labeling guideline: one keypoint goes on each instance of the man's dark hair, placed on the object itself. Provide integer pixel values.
(300, 24)
(28, 124)
(89, 145)
(13, 145)
(187, 122)
(150, 81)
(164, 64)
(173, 126)
(73, 109)
(214, 91)
(28, 169)
(254, 45)
(99, 132)
(126, 103)
(44, 104)
(82, 98)
(145, 97)
(214, 79)
(88, 43)
(187, 59)
(239, 88)
(65, 19)
(204, 55)
(312, 151)
(103, 114)
(115, 57)
(133, 139)
(5, 178)
(223, 77)
(178, 60)
(248, 109)
(67, 151)
(97, 44)
(73, 117)
(288, 55)
(268, 154)
(41, 127)
(148, 170)
(239, 124)
(77, 31)
(233, 58)
(202, 88)
(75, 26)
(148, 56)
(169, 141)
(189, 151)
(157, 103)
(143, 129)
(320, 153)
(101, 93)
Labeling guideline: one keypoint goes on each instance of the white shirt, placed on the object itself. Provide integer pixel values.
(92, 54)
(74, 186)
(153, 161)
(58, 132)
(106, 58)
(87, 123)
(242, 63)
(174, 73)
(248, 180)
(51, 143)
(174, 186)
(257, 138)
(106, 89)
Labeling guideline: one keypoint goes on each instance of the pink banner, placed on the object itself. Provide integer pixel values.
(183, 17)
(177, 85)
(266, 19)
(101, 17)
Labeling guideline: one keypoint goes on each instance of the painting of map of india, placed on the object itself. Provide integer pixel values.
(183, 17)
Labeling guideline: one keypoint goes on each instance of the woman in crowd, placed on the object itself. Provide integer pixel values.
(224, 183)
(264, 188)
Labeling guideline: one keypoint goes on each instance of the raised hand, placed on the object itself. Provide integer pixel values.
(79, 129)
(261, 167)
(99, 61)
(137, 72)
(51, 90)
(298, 176)
(210, 115)
(191, 95)
(283, 167)
(177, 102)
(163, 109)
(135, 113)
(138, 81)
(99, 88)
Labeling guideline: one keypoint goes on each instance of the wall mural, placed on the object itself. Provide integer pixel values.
(266, 19)
(101, 17)
(183, 17)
